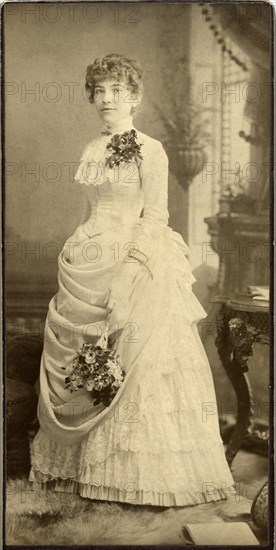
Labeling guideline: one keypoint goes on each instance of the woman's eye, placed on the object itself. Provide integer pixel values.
(97, 94)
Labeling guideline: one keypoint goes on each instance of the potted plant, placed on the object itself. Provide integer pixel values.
(186, 139)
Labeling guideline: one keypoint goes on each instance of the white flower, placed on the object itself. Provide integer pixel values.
(89, 385)
(90, 357)
(77, 380)
(115, 369)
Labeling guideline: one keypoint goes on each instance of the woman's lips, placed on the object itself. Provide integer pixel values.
(108, 109)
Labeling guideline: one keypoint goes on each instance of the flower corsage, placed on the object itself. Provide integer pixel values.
(123, 148)
(96, 367)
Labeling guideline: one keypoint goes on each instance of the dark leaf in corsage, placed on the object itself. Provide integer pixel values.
(124, 148)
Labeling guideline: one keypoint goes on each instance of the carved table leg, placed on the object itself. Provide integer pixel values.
(235, 343)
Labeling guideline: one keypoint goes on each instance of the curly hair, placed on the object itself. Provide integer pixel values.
(114, 66)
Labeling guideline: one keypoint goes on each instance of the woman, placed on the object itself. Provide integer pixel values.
(155, 444)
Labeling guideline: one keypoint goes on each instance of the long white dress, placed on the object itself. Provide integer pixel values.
(156, 443)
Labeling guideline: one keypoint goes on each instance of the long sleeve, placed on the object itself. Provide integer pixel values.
(154, 178)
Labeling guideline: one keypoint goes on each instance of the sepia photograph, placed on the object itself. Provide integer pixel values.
(137, 207)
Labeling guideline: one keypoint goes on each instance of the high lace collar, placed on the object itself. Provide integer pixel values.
(120, 126)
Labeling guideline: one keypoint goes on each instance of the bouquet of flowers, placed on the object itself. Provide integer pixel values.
(96, 367)
(123, 148)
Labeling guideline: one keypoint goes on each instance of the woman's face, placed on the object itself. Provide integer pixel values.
(113, 100)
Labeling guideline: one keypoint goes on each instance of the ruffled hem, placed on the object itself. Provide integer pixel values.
(202, 469)
(130, 496)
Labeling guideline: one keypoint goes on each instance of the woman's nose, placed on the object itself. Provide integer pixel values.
(107, 96)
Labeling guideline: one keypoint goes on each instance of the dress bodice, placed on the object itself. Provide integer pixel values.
(117, 200)
(118, 195)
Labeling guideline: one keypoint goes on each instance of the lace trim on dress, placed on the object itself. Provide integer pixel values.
(92, 169)
(163, 473)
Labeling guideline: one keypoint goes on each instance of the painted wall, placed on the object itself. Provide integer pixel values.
(49, 120)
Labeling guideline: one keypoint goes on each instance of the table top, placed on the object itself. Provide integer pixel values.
(243, 302)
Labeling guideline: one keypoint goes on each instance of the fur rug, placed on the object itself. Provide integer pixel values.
(67, 519)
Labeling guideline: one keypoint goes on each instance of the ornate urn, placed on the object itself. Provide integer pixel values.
(186, 163)
(186, 139)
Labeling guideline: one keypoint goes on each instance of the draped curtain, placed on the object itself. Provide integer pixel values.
(248, 25)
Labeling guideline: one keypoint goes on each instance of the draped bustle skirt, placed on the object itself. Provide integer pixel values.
(158, 443)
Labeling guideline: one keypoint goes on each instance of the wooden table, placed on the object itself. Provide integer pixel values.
(241, 322)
